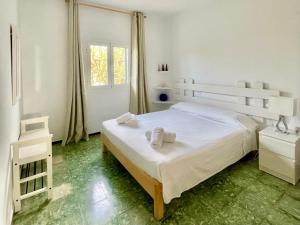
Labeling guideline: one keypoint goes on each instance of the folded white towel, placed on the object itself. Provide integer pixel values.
(133, 122)
(169, 137)
(157, 137)
(124, 118)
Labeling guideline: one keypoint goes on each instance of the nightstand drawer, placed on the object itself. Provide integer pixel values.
(277, 163)
(277, 146)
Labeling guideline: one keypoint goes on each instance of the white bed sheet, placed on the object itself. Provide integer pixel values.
(203, 148)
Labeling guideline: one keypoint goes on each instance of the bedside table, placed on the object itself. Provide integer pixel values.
(279, 154)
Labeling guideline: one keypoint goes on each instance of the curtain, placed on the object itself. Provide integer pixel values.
(138, 83)
(75, 127)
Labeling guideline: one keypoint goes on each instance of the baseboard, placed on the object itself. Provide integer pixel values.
(60, 141)
(10, 217)
(57, 142)
(93, 134)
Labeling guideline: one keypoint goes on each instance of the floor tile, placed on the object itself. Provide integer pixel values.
(101, 212)
(265, 193)
(294, 191)
(137, 215)
(272, 181)
(196, 213)
(290, 206)
(235, 214)
(253, 203)
(265, 222)
(220, 194)
(259, 199)
(277, 217)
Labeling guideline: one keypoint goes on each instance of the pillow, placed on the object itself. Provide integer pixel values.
(247, 122)
(216, 114)
(207, 111)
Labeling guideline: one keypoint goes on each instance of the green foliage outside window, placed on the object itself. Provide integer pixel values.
(119, 65)
(99, 68)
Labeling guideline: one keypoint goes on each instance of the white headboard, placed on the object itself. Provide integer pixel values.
(251, 101)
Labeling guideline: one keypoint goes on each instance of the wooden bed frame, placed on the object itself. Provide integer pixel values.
(187, 89)
(150, 184)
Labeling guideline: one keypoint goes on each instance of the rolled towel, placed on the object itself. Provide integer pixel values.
(148, 135)
(169, 137)
(124, 118)
(157, 137)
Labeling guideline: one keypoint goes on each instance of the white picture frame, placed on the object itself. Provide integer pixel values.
(15, 64)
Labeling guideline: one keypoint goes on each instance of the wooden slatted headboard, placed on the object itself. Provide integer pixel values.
(188, 90)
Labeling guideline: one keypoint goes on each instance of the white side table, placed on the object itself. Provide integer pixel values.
(279, 154)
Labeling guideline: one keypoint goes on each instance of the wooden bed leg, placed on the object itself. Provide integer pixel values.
(104, 147)
(158, 202)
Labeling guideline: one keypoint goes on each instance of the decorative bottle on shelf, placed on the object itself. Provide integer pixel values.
(167, 69)
(163, 67)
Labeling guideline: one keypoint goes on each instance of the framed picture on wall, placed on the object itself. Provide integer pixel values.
(15, 64)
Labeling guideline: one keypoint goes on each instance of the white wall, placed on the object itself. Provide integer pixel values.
(158, 51)
(44, 42)
(226, 41)
(103, 27)
(9, 115)
(44, 60)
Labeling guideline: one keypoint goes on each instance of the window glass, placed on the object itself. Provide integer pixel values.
(120, 65)
(99, 65)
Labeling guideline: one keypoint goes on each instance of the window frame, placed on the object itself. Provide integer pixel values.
(110, 64)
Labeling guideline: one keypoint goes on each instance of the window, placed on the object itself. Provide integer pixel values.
(109, 65)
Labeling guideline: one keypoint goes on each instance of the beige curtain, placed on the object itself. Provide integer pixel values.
(138, 83)
(75, 128)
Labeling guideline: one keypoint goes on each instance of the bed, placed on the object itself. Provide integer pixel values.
(211, 135)
(208, 140)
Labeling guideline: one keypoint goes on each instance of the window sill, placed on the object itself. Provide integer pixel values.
(108, 87)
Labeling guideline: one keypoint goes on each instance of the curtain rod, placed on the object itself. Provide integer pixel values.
(98, 6)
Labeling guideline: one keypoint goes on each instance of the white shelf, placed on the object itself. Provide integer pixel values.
(158, 90)
(161, 102)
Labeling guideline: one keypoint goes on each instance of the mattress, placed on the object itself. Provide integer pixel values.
(204, 146)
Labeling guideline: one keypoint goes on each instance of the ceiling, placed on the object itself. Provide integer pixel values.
(165, 6)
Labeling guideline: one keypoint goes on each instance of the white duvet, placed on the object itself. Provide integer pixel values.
(208, 140)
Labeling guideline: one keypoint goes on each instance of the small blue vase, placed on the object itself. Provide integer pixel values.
(163, 97)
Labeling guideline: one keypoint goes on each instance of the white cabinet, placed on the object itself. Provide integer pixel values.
(279, 154)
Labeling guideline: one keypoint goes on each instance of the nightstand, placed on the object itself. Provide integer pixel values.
(279, 154)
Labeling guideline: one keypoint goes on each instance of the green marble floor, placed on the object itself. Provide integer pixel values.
(93, 188)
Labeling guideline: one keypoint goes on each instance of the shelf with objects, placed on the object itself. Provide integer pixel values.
(163, 68)
(163, 95)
